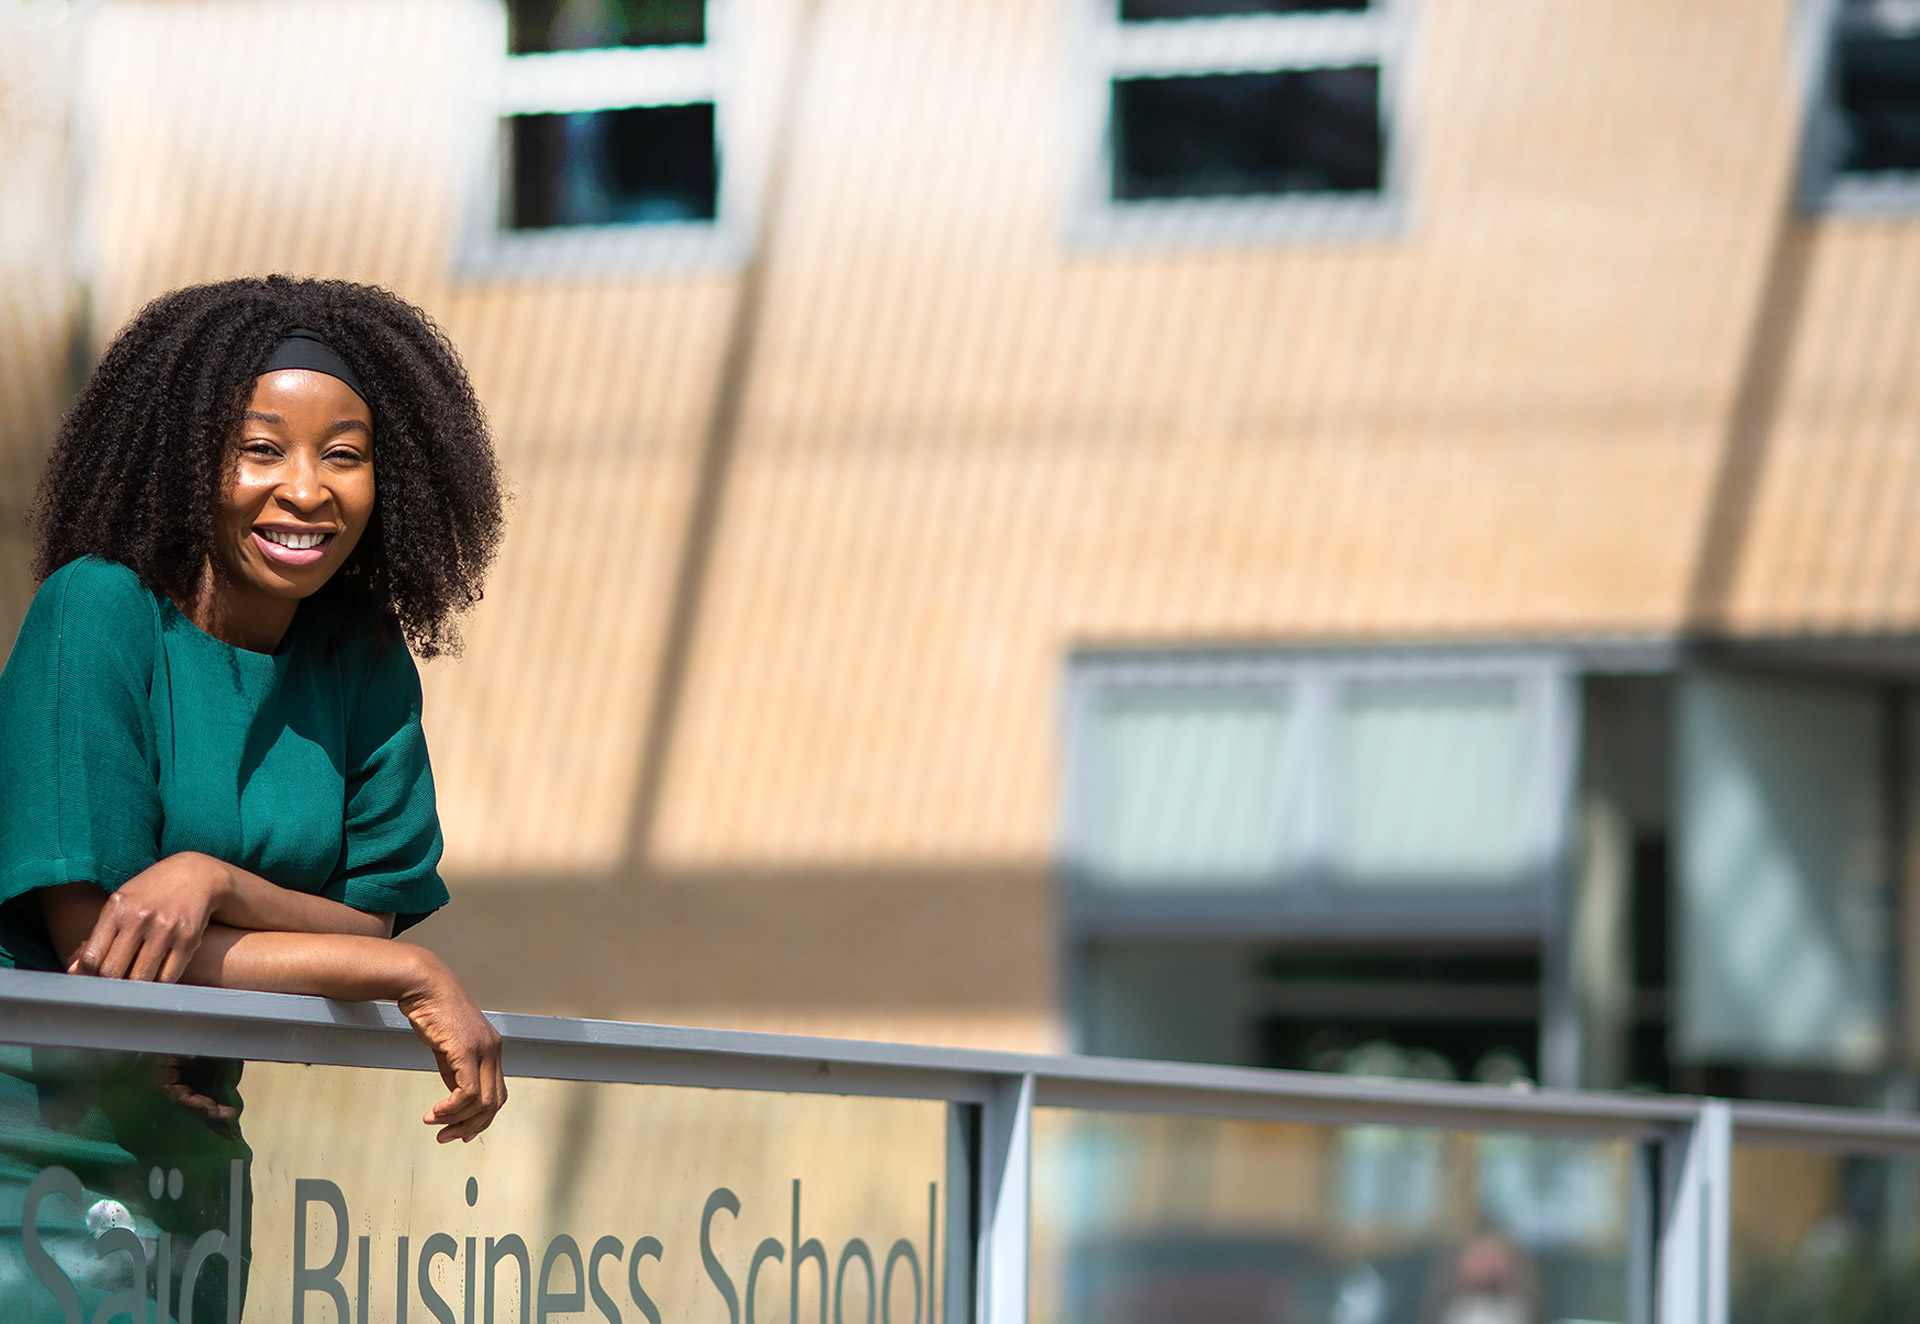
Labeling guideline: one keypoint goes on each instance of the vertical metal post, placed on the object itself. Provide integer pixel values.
(1643, 1233)
(959, 1254)
(1696, 1204)
(1560, 1047)
(1006, 1129)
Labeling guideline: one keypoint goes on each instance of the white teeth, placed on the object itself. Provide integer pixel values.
(300, 542)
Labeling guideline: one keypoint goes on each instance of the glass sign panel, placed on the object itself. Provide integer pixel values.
(140, 1187)
(1147, 1219)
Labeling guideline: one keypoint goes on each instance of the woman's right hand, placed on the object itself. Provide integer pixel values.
(152, 924)
(464, 1044)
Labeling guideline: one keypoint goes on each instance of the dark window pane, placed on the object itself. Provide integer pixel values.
(1241, 135)
(1877, 80)
(1146, 11)
(612, 167)
(577, 25)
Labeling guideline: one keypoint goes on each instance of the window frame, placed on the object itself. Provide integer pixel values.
(1259, 43)
(1823, 187)
(1315, 902)
(609, 78)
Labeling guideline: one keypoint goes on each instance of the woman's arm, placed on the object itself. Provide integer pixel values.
(150, 926)
(351, 967)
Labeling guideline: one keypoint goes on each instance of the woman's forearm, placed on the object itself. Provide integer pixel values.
(350, 967)
(248, 901)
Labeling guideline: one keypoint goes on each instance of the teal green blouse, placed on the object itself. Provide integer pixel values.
(128, 734)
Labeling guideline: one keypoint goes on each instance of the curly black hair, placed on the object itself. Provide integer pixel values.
(138, 470)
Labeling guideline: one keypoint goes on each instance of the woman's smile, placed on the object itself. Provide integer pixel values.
(292, 546)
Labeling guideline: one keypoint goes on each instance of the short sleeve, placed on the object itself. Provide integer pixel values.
(391, 859)
(79, 772)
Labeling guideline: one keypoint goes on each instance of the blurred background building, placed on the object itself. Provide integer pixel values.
(1348, 534)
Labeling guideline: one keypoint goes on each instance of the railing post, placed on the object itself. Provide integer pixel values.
(1006, 1128)
(1696, 1210)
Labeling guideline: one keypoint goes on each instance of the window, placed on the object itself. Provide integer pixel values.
(1334, 786)
(1240, 119)
(605, 134)
(1863, 140)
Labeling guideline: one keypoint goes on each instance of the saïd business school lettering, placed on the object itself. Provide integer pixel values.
(605, 1281)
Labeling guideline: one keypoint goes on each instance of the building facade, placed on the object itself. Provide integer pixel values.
(1369, 535)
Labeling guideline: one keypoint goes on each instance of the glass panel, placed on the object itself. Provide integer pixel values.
(1435, 778)
(1164, 1220)
(1824, 1238)
(644, 164)
(1192, 787)
(1248, 135)
(574, 25)
(1143, 11)
(1877, 85)
(584, 1200)
(1781, 923)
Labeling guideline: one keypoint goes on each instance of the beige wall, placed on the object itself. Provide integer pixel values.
(966, 445)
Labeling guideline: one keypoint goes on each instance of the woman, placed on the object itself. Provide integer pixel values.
(211, 763)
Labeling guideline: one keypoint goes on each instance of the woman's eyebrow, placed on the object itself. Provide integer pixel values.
(259, 417)
(340, 425)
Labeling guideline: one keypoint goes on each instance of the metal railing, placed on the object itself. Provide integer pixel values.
(1687, 1142)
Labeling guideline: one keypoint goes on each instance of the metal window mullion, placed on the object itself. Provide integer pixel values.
(1696, 1213)
(608, 79)
(1243, 45)
(1005, 1205)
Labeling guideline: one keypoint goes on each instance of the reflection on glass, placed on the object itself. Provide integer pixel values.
(1824, 1238)
(1433, 778)
(1146, 11)
(583, 1201)
(1194, 788)
(640, 165)
(124, 1181)
(1247, 135)
(572, 25)
(1877, 80)
(1149, 1220)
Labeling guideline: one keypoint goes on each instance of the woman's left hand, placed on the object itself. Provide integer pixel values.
(151, 926)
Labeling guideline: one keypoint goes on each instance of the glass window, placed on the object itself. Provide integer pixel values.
(1146, 11)
(1241, 118)
(1864, 144)
(1877, 87)
(1338, 781)
(612, 167)
(1433, 779)
(577, 25)
(1193, 786)
(1783, 911)
(1247, 135)
(607, 141)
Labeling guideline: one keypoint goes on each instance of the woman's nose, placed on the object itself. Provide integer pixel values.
(300, 486)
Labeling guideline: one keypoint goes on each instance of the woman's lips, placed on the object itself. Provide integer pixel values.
(293, 557)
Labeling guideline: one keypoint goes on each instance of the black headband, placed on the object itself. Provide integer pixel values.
(305, 349)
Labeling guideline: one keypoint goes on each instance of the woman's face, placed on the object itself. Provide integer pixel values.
(301, 491)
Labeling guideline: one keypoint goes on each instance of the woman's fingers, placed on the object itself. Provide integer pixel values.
(176, 963)
(117, 949)
(147, 962)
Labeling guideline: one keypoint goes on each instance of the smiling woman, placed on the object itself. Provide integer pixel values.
(210, 740)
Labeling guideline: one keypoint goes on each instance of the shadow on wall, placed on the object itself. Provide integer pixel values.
(944, 954)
